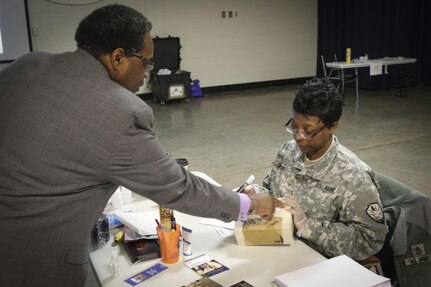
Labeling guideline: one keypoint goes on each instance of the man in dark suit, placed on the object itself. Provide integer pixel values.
(72, 130)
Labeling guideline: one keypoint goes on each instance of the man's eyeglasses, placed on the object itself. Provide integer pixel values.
(149, 65)
(304, 135)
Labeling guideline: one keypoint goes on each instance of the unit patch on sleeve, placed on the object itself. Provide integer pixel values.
(375, 212)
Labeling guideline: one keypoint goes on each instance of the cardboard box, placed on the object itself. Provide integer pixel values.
(255, 231)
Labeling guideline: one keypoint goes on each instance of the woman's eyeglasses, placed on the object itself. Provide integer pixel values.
(304, 135)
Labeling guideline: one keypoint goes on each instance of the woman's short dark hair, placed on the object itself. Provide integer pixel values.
(319, 97)
(111, 27)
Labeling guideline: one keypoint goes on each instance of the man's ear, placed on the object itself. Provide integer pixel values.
(117, 57)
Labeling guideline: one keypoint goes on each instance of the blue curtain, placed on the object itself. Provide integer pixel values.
(379, 28)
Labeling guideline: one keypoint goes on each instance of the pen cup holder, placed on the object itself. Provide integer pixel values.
(169, 242)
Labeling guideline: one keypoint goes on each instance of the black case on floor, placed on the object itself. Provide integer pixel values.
(167, 56)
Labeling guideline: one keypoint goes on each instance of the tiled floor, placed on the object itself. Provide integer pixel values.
(230, 136)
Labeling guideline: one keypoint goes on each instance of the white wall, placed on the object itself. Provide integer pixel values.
(267, 40)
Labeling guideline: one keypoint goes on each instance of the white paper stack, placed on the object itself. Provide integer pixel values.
(340, 271)
(140, 222)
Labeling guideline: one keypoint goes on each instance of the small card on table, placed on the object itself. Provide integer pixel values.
(204, 265)
(146, 274)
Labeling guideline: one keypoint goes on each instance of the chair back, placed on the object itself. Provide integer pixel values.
(407, 246)
(329, 73)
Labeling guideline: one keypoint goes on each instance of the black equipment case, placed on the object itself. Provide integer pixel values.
(167, 56)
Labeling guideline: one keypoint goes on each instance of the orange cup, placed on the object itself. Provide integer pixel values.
(169, 242)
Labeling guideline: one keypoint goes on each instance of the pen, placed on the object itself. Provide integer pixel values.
(247, 182)
(173, 224)
(162, 228)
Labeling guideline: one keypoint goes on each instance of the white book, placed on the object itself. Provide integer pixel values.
(340, 271)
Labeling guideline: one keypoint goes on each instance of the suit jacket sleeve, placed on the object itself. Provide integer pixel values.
(139, 163)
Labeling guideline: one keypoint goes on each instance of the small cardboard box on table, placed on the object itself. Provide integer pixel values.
(256, 231)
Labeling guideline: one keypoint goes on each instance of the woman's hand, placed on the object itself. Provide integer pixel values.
(292, 205)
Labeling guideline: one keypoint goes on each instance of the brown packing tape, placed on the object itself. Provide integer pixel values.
(277, 231)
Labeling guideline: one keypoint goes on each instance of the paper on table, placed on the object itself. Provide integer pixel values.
(339, 271)
(376, 68)
(132, 235)
(141, 222)
(218, 223)
(224, 232)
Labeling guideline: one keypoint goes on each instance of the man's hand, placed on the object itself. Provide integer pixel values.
(263, 204)
(250, 189)
(292, 205)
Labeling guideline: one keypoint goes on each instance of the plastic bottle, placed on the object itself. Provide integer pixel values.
(348, 55)
(115, 263)
(113, 221)
(117, 199)
(126, 194)
(187, 241)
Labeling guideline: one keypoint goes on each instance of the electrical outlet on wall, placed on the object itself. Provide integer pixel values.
(34, 31)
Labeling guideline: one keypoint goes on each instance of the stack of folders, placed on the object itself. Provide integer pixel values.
(340, 271)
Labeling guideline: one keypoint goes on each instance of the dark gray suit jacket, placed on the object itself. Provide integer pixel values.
(68, 137)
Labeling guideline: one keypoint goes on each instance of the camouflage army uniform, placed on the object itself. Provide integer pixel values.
(339, 195)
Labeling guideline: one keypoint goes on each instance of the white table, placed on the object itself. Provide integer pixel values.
(258, 265)
(386, 61)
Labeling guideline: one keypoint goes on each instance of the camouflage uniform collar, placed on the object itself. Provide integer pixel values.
(319, 170)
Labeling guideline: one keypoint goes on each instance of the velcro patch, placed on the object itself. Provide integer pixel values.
(375, 212)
